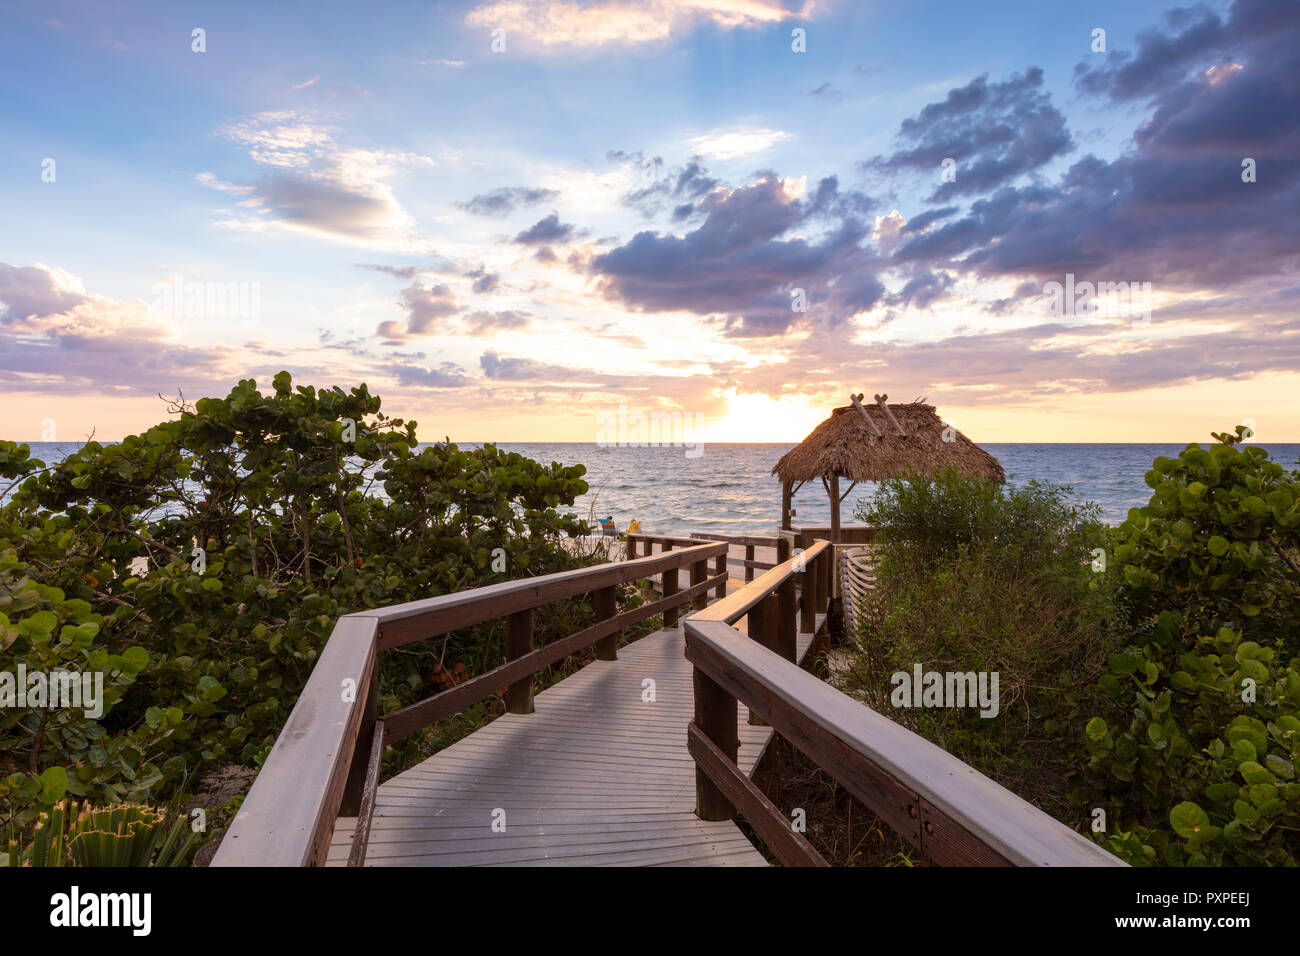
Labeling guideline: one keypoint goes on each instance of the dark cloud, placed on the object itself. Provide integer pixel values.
(678, 187)
(737, 266)
(1173, 210)
(995, 133)
(545, 231)
(924, 290)
(499, 202)
(484, 281)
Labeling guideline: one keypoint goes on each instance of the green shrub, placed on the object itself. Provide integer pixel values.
(262, 519)
(1192, 749)
(976, 576)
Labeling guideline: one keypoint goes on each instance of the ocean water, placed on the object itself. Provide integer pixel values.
(730, 488)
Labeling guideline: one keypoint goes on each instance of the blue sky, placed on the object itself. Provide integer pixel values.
(617, 207)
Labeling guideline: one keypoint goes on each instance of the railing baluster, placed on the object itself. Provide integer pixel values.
(366, 812)
(749, 563)
(700, 572)
(787, 644)
(715, 715)
(519, 641)
(763, 627)
(808, 597)
(720, 567)
(670, 588)
(606, 647)
(354, 788)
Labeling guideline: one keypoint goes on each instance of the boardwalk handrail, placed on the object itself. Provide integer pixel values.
(749, 542)
(326, 759)
(945, 808)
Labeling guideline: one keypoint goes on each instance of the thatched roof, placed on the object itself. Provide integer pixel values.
(845, 444)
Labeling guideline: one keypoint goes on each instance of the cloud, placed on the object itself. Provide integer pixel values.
(690, 182)
(545, 231)
(424, 306)
(315, 185)
(446, 375)
(57, 338)
(305, 84)
(739, 266)
(1173, 209)
(827, 92)
(507, 199)
(401, 272)
(568, 25)
(994, 133)
(724, 144)
(481, 323)
(525, 369)
(38, 291)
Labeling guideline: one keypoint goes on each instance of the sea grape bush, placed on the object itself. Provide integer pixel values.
(1193, 744)
(259, 519)
(973, 575)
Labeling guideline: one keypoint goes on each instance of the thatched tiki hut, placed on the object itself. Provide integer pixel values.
(871, 443)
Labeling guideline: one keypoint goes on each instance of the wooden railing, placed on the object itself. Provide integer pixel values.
(326, 761)
(948, 810)
(749, 542)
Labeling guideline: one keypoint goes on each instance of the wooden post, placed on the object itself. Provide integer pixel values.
(782, 550)
(720, 567)
(787, 498)
(749, 556)
(786, 624)
(835, 507)
(824, 579)
(606, 647)
(519, 641)
(631, 547)
(808, 597)
(700, 573)
(764, 627)
(356, 783)
(649, 547)
(670, 588)
(715, 715)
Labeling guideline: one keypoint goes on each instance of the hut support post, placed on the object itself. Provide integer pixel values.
(787, 495)
(835, 508)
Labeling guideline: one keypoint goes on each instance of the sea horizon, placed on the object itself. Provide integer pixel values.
(728, 487)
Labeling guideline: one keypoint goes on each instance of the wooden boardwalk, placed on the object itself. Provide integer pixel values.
(596, 776)
(598, 770)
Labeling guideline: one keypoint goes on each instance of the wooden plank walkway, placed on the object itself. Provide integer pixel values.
(596, 776)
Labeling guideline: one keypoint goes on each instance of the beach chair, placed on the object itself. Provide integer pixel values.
(607, 528)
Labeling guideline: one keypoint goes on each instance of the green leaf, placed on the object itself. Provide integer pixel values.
(54, 785)
(1188, 819)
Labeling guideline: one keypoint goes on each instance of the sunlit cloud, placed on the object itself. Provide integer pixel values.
(615, 22)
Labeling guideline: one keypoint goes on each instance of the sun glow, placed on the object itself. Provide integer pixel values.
(754, 417)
